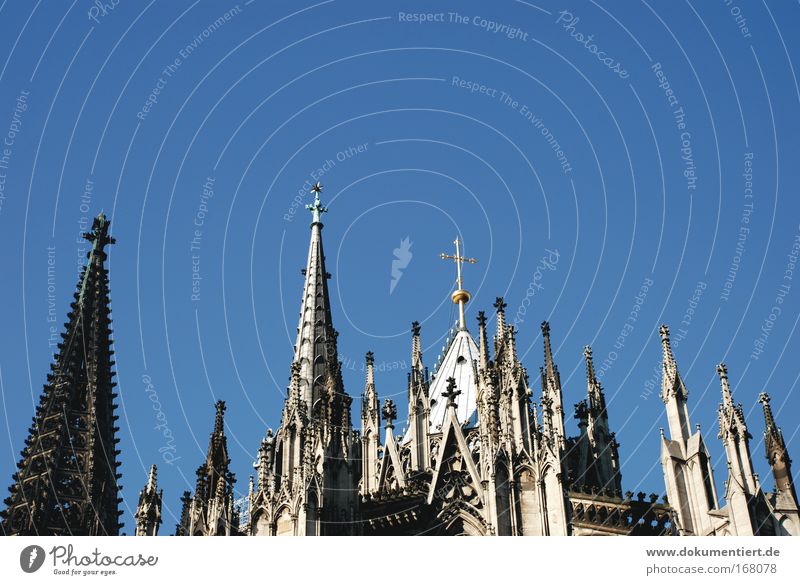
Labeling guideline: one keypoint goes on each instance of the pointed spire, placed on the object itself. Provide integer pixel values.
(370, 361)
(219, 419)
(727, 398)
(735, 439)
(265, 460)
(417, 368)
(672, 383)
(370, 406)
(213, 495)
(316, 347)
(183, 525)
(56, 491)
(731, 415)
(483, 344)
(596, 398)
(552, 399)
(511, 335)
(673, 392)
(500, 305)
(776, 452)
(148, 512)
(151, 479)
(549, 366)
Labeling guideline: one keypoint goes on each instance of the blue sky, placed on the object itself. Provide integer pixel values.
(611, 166)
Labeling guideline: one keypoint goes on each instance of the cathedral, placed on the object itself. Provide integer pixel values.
(477, 456)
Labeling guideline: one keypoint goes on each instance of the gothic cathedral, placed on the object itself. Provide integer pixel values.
(477, 456)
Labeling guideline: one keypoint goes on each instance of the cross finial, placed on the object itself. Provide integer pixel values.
(389, 412)
(452, 392)
(316, 208)
(460, 296)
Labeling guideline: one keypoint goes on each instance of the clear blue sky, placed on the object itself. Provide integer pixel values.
(577, 170)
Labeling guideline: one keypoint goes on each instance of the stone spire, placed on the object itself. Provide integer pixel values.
(741, 485)
(483, 344)
(211, 511)
(369, 400)
(370, 429)
(597, 400)
(552, 401)
(66, 481)
(417, 367)
(148, 512)
(263, 464)
(315, 349)
(597, 448)
(673, 392)
(500, 306)
(777, 454)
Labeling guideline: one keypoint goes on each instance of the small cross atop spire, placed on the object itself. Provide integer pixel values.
(460, 296)
(316, 208)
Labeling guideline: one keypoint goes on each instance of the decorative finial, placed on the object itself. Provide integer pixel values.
(545, 328)
(219, 418)
(415, 328)
(151, 479)
(389, 413)
(481, 319)
(587, 353)
(500, 304)
(460, 296)
(452, 392)
(669, 359)
(316, 208)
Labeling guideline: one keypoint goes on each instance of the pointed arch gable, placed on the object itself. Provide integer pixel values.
(453, 441)
(391, 458)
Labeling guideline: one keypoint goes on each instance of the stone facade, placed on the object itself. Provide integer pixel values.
(477, 456)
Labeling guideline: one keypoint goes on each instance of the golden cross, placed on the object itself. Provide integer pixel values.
(459, 260)
(460, 296)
